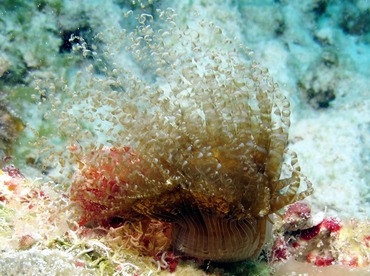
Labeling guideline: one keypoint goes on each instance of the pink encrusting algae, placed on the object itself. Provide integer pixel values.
(321, 241)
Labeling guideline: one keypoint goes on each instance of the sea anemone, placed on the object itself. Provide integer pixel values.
(203, 146)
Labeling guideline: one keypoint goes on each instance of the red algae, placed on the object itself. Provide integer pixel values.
(331, 224)
(320, 260)
(310, 233)
(102, 185)
(329, 243)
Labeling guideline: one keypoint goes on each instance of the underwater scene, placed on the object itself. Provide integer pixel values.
(193, 137)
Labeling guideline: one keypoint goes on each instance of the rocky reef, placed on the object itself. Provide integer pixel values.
(156, 140)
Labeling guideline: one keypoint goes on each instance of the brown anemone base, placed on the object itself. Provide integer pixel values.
(217, 238)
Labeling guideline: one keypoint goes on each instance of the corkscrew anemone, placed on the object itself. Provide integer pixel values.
(205, 147)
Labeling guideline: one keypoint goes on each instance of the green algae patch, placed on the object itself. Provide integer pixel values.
(6, 222)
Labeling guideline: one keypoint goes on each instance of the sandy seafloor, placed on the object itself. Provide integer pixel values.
(317, 51)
